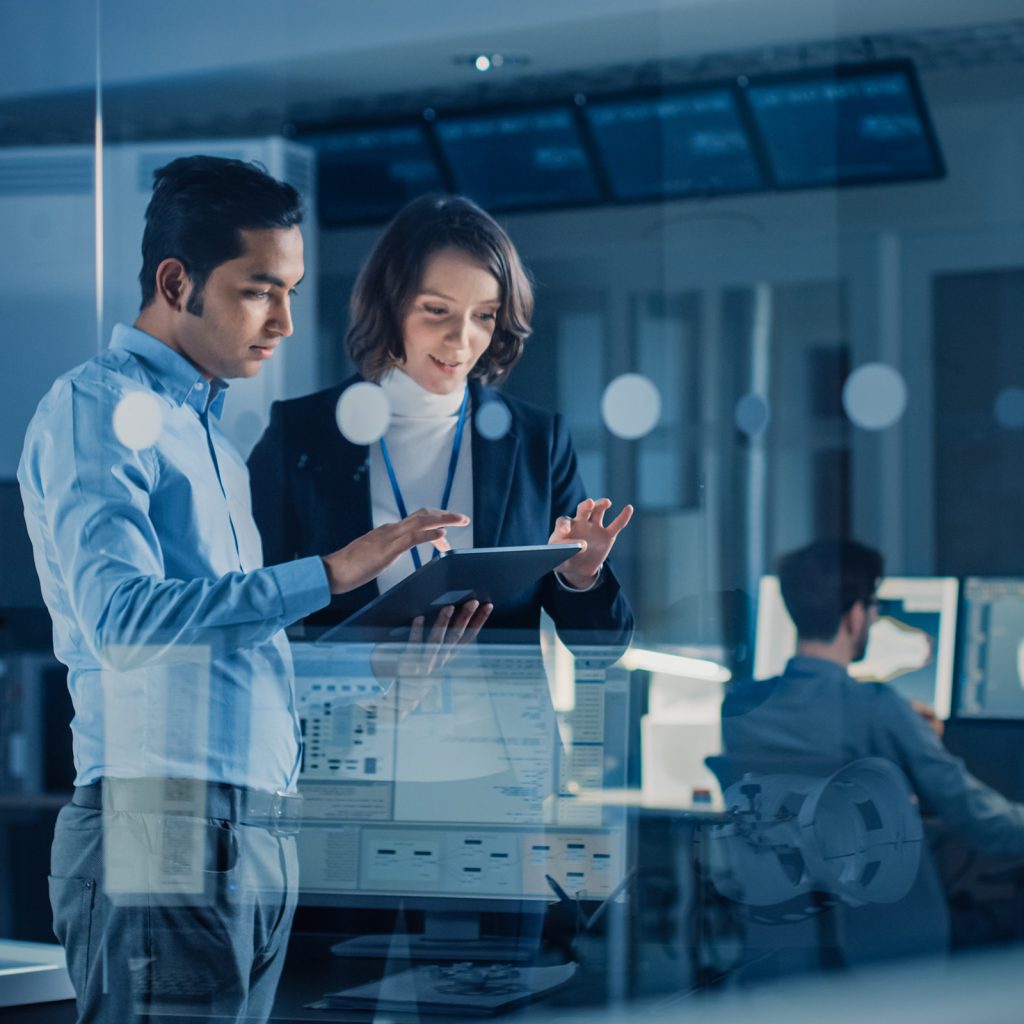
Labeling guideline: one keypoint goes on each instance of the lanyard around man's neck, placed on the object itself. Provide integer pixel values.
(452, 464)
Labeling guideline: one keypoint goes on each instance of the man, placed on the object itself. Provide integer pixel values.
(185, 735)
(815, 718)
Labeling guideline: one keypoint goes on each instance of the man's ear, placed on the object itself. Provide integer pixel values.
(853, 621)
(173, 285)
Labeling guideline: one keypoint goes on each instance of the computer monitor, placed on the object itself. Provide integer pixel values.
(910, 646)
(366, 174)
(518, 159)
(845, 125)
(990, 670)
(463, 795)
(691, 143)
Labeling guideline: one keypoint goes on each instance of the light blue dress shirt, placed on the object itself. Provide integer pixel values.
(151, 566)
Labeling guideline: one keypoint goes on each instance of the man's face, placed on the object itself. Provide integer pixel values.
(246, 306)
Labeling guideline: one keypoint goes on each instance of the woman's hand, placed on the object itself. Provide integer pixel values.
(412, 670)
(587, 525)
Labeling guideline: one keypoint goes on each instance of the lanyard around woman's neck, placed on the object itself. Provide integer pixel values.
(452, 464)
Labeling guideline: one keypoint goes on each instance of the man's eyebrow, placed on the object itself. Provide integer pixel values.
(273, 279)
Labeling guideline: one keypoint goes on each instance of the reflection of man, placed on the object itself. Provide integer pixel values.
(816, 713)
(815, 718)
(186, 740)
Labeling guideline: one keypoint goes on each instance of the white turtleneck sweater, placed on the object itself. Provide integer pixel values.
(419, 440)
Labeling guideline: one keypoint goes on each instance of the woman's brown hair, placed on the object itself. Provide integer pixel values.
(391, 276)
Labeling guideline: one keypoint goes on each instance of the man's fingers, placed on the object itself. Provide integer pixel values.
(425, 517)
(416, 630)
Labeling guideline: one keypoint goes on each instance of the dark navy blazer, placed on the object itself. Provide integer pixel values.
(311, 496)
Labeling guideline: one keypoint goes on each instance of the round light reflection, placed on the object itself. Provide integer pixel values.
(493, 420)
(1009, 408)
(363, 413)
(138, 420)
(752, 414)
(631, 406)
(875, 396)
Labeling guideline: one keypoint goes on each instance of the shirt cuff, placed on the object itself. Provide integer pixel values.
(580, 590)
(303, 587)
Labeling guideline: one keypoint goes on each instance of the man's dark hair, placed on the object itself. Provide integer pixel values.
(200, 204)
(389, 280)
(821, 582)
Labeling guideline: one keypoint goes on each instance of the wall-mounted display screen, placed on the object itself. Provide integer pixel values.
(844, 126)
(991, 675)
(693, 143)
(366, 175)
(519, 160)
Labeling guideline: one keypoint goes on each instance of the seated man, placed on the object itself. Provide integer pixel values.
(815, 718)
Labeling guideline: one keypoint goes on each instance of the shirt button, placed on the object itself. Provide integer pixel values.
(198, 385)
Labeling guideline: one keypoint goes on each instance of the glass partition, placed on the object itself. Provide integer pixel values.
(770, 289)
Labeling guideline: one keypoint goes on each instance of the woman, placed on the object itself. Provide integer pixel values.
(441, 310)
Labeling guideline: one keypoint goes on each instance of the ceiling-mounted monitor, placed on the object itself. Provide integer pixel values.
(692, 143)
(516, 160)
(366, 174)
(846, 125)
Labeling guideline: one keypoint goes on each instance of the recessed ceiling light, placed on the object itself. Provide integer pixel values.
(489, 61)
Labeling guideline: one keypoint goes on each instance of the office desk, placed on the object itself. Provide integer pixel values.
(311, 971)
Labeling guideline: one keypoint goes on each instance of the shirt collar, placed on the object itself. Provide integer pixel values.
(175, 374)
(822, 668)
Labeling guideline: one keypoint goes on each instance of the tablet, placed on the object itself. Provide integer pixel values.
(486, 574)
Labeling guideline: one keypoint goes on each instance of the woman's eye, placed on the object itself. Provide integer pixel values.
(488, 316)
(435, 310)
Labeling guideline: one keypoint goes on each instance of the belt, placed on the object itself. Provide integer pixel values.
(280, 813)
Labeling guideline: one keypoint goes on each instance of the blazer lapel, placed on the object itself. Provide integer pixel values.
(493, 470)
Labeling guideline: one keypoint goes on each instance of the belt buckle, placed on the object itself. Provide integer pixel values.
(285, 813)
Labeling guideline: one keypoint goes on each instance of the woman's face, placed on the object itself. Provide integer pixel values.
(450, 321)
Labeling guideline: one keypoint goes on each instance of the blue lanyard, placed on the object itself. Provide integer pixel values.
(452, 464)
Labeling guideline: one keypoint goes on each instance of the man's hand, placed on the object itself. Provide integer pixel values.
(367, 556)
(587, 525)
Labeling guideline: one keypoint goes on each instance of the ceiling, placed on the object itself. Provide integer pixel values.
(220, 67)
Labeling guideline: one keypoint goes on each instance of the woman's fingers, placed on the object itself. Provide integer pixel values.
(618, 524)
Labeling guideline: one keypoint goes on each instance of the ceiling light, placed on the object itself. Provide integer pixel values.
(490, 60)
(644, 660)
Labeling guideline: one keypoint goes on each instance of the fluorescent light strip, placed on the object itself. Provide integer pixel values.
(642, 659)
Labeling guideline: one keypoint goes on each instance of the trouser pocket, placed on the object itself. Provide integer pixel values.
(73, 901)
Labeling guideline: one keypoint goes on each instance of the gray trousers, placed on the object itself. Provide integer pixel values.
(142, 947)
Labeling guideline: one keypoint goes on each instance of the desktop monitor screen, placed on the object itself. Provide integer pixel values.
(990, 677)
(844, 126)
(910, 645)
(365, 175)
(518, 160)
(690, 143)
(466, 795)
